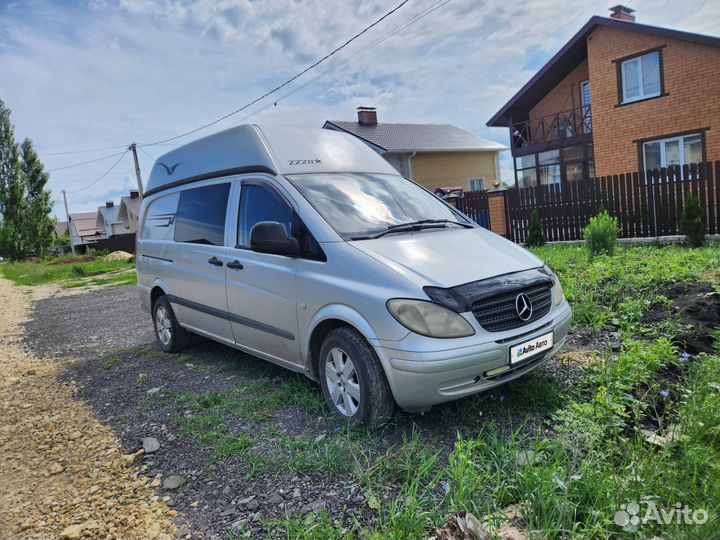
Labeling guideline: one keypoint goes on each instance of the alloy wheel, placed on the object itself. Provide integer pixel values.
(163, 325)
(342, 381)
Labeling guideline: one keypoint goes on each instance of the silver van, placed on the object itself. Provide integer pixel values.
(306, 248)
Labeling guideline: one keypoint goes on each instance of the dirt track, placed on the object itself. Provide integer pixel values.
(64, 474)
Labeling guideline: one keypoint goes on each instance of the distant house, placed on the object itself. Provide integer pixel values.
(61, 228)
(129, 211)
(618, 97)
(84, 229)
(434, 155)
(109, 221)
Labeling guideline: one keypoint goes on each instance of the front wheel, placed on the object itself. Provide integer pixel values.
(352, 379)
(170, 335)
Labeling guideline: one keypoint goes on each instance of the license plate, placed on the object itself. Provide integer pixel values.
(528, 349)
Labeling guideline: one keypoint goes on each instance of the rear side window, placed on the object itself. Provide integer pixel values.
(258, 204)
(201, 215)
(160, 216)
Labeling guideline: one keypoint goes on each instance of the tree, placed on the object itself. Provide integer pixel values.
(12, 193)
(25, 205)
(692, 222)
(40, 225)
(536, 236)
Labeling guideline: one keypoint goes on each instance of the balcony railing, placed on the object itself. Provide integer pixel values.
(552, 128)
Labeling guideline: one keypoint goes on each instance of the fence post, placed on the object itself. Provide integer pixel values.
(498, 207)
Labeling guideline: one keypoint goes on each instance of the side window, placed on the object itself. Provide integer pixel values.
(257, 204)
(201, 215)
(160, 216)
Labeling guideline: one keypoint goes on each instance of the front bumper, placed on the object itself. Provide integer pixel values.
(421, 380)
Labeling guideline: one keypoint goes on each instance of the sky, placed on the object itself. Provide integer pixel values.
(91, 74)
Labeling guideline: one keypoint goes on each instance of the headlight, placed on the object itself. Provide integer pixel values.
(558, 295)
(429, 319)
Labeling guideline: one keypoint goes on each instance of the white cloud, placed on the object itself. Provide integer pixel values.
(114, 71)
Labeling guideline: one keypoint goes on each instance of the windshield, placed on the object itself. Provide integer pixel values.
(361, 205)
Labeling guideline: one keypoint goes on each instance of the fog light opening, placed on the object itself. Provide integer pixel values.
(497, 371)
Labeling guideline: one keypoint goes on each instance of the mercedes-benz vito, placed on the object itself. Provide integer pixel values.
(306, 248)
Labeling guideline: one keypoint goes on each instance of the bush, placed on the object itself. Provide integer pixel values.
(536, 237)
(601, 234)
(692, 222)
(77, 270)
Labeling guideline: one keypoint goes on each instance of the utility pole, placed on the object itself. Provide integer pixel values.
(133, 149)
(67, 215)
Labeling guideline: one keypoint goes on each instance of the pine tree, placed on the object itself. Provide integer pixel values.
(692, 222)
(40, 225)
(13, 206)
(536, 237)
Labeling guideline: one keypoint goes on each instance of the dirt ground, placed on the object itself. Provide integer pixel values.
(64, 473)
(137, 391)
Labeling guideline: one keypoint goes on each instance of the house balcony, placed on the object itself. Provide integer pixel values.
(551, 131)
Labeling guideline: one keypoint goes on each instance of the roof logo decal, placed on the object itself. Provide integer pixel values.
(169, 170)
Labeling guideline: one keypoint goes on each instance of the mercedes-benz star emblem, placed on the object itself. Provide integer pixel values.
(523, 306)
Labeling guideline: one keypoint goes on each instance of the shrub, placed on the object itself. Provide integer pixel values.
(601, 234)
(536, 237)
(77, 270)
(692, 222)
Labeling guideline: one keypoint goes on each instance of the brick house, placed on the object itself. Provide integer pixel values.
(433, 155)
(618, 97)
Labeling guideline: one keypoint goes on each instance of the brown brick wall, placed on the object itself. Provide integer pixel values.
(564, 97)
(692, 80)
(453, 169)
(496, 206)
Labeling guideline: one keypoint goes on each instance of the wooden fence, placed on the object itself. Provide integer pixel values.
(646, 204)
(474, 204)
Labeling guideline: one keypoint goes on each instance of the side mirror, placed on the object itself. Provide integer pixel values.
(270, 237)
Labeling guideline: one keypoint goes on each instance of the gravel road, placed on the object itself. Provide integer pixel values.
(85, 324)
(64, 474)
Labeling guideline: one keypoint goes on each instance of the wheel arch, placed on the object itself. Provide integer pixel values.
(327, 320)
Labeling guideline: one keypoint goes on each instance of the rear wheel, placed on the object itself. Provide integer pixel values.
(352, 379)
(170, 335)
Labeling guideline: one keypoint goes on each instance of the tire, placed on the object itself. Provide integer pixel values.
(362, 378)
(169, 334)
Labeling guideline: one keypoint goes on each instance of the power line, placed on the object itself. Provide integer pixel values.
(270, 92)
(333, 67)
(87, 151)
(85, 162)
(144, 152)
(102, 176)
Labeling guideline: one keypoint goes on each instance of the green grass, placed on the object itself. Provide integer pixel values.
(618, 289)
(70, 272)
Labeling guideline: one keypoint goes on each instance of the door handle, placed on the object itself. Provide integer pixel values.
(215, 261)
(235, 265)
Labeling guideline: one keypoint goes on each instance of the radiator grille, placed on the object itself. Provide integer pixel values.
(497, 314)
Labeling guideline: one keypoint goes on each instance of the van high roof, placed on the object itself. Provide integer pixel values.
(266, 149)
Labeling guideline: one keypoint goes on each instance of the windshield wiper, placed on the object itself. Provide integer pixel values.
(414, 226)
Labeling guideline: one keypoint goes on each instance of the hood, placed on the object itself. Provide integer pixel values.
(448, 257)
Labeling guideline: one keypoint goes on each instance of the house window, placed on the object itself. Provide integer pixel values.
(672, 151)
(549, 167)
(477, 184)
(526, 171)
(640, 77)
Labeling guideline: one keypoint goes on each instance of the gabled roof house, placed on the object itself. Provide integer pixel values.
(434, 155)
(619, 96)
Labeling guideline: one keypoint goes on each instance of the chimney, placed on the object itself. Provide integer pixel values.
(622, 13)
(367, 116)
(109, 204)
(134, 194)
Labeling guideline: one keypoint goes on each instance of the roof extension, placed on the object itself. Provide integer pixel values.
(416, 137)
(264, 149)
(572, 53)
